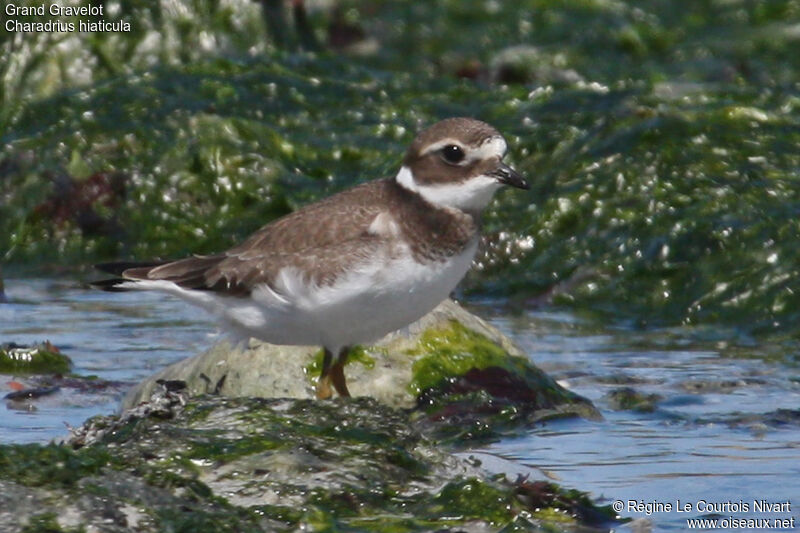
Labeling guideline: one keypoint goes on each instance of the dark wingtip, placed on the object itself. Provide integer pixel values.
(110, 285)
(118, 267)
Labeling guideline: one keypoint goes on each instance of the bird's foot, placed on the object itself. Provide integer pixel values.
(333, 374)
(324, 391)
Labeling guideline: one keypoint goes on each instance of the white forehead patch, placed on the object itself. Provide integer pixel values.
(493, 147)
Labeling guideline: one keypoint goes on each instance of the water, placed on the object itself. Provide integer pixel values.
(716, 441)
(121, 337)
(716, 436)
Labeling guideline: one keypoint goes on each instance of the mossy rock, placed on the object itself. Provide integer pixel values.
(41, 358)
(448, 357)
(629, 399)
(212, 464)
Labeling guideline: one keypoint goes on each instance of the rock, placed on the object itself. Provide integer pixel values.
(628, 398)
(443, 359)
(215, 464)
(40, 358)
(60, 393)
(526, 64)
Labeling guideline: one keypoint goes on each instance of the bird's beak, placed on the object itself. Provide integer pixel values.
(508, 176)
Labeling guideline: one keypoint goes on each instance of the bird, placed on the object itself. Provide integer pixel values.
(350, 268)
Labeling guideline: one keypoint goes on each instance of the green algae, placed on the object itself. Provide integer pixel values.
(469, 388)
(51, 465)
(42, 358)
(47, 523)
(228, 450)
(679, 210)
(445, 353)
(472, 498)
(662, 143)
(357, 354)
(223, 521)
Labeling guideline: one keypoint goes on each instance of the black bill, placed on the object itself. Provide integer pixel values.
(508, 176)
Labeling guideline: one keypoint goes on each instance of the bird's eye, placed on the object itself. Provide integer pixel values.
(453, 153)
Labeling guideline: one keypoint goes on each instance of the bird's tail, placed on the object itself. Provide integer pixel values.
(189, 273)
(121, 270)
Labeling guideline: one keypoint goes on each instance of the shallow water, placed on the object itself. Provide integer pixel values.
(120, 337)
(717, 435)
(716, 439)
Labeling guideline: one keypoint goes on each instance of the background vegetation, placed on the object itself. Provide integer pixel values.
(663, 140)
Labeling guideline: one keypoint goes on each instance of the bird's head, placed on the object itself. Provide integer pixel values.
(458, 163)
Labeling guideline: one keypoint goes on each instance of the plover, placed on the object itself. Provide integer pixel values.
(355, 266)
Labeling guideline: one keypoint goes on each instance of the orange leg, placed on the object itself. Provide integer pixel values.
(333, 374)
(337, 373)
(324, 384)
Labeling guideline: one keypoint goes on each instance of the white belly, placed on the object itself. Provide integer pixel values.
(379, 297)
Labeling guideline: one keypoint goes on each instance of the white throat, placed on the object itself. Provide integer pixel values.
(472, 195)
